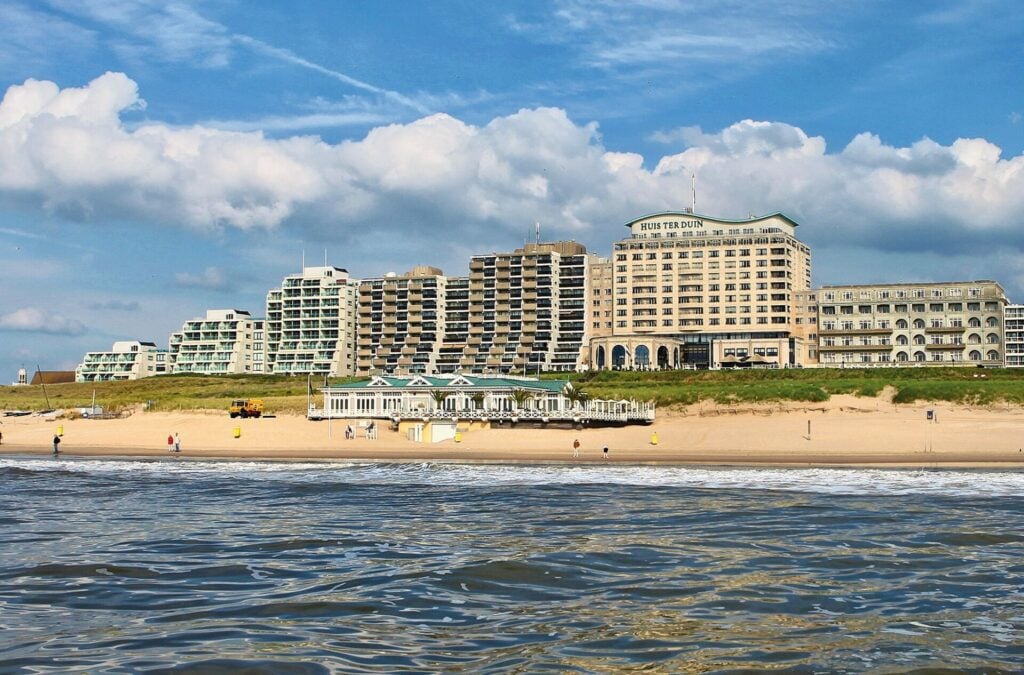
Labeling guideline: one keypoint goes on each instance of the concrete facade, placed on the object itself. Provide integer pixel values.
(224, 342)
(938, 324)
(126, 360)
(311, 324)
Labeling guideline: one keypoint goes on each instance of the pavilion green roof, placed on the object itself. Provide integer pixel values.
(425, 382)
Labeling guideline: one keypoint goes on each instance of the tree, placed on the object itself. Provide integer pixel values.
(439, 397)
(478, 399)
(576, 397)
(521, 397)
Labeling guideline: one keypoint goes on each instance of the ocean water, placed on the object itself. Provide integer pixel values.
(193, 566)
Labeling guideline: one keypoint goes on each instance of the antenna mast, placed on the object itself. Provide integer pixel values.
(536, 227)
(693, 190)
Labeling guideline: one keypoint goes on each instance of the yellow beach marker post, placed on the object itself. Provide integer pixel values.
(238, 432)
(654, 438)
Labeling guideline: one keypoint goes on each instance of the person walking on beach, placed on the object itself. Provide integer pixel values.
(177, 442)
(576, 449)
(56, 442)
(606, 452)
(170, 443)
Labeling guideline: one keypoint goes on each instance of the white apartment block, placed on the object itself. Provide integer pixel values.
(694, 291)
(311, 324)
(937, 324)
(224, 342)
(1013, 335)
(126, 360)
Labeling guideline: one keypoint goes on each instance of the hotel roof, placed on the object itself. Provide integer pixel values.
(457, 382)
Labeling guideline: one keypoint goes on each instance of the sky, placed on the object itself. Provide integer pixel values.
(162, 158)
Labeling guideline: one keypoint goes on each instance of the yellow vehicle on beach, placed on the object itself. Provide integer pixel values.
(246, 407)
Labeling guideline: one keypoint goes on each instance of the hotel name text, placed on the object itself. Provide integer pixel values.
(666, 225)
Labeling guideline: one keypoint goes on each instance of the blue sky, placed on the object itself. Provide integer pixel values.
(161, 158)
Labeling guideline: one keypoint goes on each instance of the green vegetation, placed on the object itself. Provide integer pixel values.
(282, 394)
(959, 385)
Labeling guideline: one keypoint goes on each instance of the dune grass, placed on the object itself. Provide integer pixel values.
(284, 394)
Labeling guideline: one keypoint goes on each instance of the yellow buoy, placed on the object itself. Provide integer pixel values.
(654, 439)
(60, 430)
(238, 432)
(458, 436)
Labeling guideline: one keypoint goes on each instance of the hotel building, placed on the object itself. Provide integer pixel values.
(689, 290)
(311, 324)
(1013, 336)
(943, 323)
(225, 341)
(126, 360)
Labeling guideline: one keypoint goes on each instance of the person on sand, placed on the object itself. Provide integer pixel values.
(177, 442)
(170, 443)
(576, 448)
(1, 438)
(606, 452)
(56, 442)
(349, 433)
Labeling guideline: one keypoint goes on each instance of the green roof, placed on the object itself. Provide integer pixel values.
(457, 382)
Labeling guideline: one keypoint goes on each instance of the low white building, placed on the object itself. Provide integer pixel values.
(484, 399)
(225, 341)
(126, 360)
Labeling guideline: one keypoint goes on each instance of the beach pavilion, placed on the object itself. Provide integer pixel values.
(473, 398)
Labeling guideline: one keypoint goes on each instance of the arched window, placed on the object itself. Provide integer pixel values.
(902, 356)
(992, 339)
(991, 321)
(974, 355)
(918, 323)
(643, 357)
(902, 324)
(992, 355)
(599, 357)
(618, 356)
(974, 339)
(919, 340)
(663, 357)
(919, 357)
(901, 339)
(974, 322)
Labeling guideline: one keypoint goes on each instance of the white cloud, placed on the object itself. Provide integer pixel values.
(212, 278)
(69, 152)
(33, 320)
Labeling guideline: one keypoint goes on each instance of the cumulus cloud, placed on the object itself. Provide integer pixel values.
(33, 320)
(68, 150)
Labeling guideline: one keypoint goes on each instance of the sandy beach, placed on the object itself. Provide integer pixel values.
(844, 431)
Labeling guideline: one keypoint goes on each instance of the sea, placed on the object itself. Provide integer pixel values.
(185, 566)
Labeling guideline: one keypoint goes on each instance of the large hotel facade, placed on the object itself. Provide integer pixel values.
(681, 290)
(694, 291)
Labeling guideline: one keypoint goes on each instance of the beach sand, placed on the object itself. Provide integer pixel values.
(846, 430)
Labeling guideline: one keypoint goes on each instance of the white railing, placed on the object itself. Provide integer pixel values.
(605, 411)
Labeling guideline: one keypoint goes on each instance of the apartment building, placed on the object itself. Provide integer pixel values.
(402, 322)
(126, 360)
(528, 309)
(943, 323)
(515, 312)
(310, 324)
(225, 341)
(1013, 336)
(690, 290)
